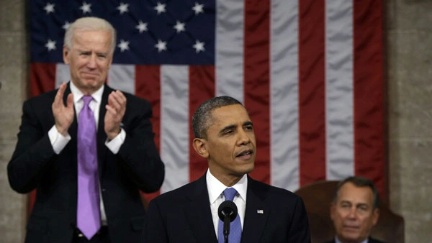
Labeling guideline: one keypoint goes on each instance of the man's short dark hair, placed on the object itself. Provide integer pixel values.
(202, 116)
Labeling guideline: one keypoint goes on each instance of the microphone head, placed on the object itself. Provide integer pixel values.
(227, 209)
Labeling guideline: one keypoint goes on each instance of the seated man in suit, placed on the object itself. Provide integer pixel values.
(224, 135)
(354, 210)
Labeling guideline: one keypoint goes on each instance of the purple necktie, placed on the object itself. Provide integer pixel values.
(88, 213)
(235, 226)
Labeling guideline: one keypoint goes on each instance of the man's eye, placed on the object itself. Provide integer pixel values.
(345, 205)
(364, 208)
(227, 131)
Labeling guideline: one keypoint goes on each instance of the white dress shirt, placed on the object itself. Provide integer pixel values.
(215, 189)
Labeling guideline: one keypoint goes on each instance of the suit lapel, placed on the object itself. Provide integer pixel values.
(198, 213)
(102, 111)
(101, 136)
(73, 129)
(256, 214)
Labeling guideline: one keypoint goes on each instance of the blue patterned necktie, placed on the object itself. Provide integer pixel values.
(235, 226)
(88, 212)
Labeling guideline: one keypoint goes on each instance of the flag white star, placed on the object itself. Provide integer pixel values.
(160, 8)
(142, 27)
(198, 8)
(66, 25)
(123, 8)
(49, 8)
(161, 46)
(124, 45)
(198, 46)
(179, 26)
(86, 7)
(50, 45)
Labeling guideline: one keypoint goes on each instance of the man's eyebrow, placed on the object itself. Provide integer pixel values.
(248, 123)
(233, 126)
(362, 204)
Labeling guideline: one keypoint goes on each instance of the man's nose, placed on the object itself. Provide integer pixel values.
(352, 213)
(92, 61)
(243, 137)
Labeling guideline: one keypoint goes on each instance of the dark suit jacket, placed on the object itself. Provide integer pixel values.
(184, 215)
(371, 240)
(34, 165)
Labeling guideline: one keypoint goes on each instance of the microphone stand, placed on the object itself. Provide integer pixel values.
(227, 212)
(226, 230)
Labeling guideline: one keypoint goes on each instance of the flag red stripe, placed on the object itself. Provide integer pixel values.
(147, 86)
(369, 133)
(201, 88)
(257, 80)
(42, 78)
(312, 91)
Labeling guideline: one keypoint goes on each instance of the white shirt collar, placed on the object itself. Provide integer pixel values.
(215, 188)
(77, 94)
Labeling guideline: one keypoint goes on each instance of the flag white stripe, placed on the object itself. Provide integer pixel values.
(174, 121)
(339, 89)
(62, 74)
(284, 161)
(229, 48)
(122, 77)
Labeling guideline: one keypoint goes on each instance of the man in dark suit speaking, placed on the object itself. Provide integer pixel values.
(87, 149)
(224, 135)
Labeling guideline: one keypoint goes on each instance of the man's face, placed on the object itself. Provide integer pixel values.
(353, 213)
(89, 59)
(230, 144)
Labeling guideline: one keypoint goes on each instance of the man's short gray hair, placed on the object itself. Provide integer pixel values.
(359, 181)
(90, 24)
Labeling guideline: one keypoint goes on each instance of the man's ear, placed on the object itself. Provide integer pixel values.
(66, 52)
(375, 216)
(200, 147)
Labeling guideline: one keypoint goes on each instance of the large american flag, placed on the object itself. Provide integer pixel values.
(310, 72)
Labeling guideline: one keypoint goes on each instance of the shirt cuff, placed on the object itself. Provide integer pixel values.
(58, 141)
(115, 144)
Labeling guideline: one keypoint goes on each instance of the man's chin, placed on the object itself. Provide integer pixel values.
(90, 81)
(249, 169)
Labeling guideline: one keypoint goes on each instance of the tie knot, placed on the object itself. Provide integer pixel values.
(230, 193)
(87, 99)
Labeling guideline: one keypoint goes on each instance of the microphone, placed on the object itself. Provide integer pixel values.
(227, 212)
